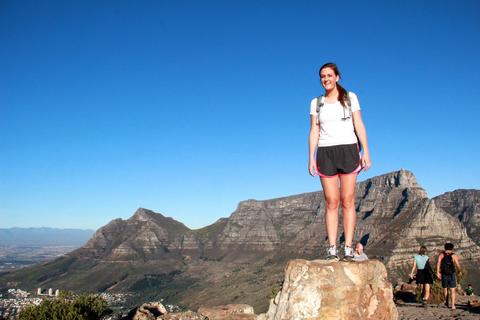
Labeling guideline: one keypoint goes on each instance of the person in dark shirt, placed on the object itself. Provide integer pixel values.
(469, 290)
(447, 266)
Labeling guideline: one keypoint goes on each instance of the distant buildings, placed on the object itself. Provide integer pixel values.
(10, 307)
(48, 292)
(18, 293)
(15, 300)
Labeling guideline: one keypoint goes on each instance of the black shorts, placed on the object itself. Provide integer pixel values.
(424, 276)
(341, 159)
(449, 280)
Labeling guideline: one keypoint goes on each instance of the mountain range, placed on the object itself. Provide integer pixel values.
(240, 259)
(44, 237)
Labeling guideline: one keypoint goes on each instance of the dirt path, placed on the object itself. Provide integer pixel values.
(415, 311)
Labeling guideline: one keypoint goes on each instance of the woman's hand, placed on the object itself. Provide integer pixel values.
(366, 163)
(312, 168)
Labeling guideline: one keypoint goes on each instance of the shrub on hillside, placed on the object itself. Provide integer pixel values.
(85, 307)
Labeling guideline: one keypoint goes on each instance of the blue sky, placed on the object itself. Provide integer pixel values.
(188, 107)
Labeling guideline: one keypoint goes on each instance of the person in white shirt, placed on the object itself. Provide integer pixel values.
(335, 124)
(359, 254)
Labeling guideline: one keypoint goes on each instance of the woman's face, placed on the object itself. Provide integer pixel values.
(328, 78)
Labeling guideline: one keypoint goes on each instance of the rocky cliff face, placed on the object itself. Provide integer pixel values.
(238, 259)
(431, 226)
(394, 214)
(296, 223)
(465, 206)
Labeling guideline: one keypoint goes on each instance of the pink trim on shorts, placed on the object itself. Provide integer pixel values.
(321, 175)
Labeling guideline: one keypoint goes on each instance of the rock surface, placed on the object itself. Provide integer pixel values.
(186, 315)
(147, 311)
(228, 312)
(333, 290)
(157, 311)
(415, 311)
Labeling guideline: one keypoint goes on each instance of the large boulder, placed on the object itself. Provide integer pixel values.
(157, 311)
(147, 311)
(333, 290)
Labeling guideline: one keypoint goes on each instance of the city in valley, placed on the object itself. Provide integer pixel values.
(15, 256)
(13, 300)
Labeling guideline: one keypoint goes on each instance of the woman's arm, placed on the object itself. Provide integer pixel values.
(362, 136)
(413, 268)
(313, 143)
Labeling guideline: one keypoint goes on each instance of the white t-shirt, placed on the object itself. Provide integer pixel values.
(360, 257)
(333, 130)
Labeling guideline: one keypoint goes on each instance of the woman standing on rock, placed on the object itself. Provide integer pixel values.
(336, 129)
(423, 276)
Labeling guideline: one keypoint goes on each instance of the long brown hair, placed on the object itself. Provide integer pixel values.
(342, 93)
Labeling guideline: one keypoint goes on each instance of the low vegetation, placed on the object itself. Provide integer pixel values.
(84, 307)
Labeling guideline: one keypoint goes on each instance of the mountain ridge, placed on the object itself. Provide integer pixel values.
(241, 258)
(44, 236)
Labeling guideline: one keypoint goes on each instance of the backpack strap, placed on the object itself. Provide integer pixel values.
(320, 103)
(349, 104)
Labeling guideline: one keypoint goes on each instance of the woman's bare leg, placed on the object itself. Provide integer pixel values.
(347, 196)
(427, 291)
(332, 199)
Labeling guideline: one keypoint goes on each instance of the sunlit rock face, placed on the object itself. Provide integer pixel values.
(465, 206)
(322, 289)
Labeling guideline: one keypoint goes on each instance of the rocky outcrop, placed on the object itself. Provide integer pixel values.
(186, 315)
(228, 312)
(147, 311)
(333, 290)
(157, 311)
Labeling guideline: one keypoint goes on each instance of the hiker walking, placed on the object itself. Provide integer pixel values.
(447, 264)
(423, 274)
(337, 134)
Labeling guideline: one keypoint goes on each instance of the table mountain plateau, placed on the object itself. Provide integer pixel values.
(240, 259)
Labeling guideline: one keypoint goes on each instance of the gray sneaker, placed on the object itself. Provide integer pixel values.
(348, 253)
(332, 253)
